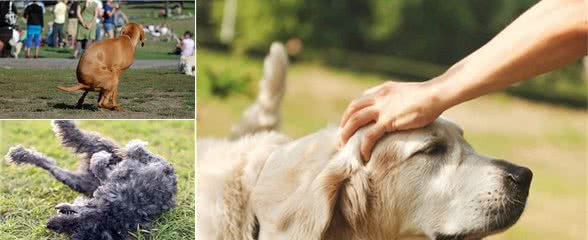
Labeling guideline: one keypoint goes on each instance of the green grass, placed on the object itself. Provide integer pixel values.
(549, 139)
(143, 93)
(29, 194)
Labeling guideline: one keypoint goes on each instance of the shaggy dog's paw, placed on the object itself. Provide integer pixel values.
(99, 164)
(19, 154)
(100, 159)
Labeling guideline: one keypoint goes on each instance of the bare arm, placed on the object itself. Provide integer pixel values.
(125, 17)
(79, 15)
(97, 12)
(549, 35)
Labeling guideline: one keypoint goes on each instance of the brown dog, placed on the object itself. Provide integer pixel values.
(101, 65)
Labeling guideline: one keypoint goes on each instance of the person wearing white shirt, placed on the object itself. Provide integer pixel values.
(187, 59)
(60, 12)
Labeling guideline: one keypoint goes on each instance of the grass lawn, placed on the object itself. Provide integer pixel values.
(143, 93)
(549, 139)
(29, 194)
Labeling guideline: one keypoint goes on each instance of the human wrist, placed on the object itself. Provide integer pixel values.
(446, 91)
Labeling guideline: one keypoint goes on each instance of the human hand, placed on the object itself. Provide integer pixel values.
(393, 106)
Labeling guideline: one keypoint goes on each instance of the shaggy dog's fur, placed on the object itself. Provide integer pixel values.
(124, 188)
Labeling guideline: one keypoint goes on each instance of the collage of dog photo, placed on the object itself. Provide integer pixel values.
(301, 120)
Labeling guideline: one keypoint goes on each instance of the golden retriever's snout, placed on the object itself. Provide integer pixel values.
(516, 176)
(522, 177)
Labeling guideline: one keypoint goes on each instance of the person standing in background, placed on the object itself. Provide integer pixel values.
(60, 11)
(100, 10)
(72, 23)
(87, 13)
(187, 45)
(120, 19)
(108, 19)
(7, 25)
(187, 55)
(34, 15)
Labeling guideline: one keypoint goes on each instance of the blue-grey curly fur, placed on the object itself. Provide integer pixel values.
(124, 188)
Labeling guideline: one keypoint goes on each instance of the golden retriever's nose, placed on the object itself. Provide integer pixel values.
(522, 176)
(517, 176)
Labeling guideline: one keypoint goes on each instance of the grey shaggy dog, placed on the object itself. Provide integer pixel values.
(123, 188)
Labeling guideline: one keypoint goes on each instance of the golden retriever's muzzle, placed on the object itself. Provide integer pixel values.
(502, 207)
(516, 183)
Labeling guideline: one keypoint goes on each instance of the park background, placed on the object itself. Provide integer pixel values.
(151, 89)
(349, 46)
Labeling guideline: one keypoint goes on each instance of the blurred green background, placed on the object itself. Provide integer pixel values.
(412, 39)
(349, 46)
(29, 194)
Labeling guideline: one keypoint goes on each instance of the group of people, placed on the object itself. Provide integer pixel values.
(85, 21)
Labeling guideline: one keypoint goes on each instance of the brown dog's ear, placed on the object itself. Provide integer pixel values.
(123, 31)
(142, 36)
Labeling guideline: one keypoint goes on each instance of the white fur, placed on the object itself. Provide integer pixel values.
(264, 113)
(308, 189)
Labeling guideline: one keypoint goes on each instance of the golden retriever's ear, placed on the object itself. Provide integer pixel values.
(353, 200)
(309, 189)
(354, 189)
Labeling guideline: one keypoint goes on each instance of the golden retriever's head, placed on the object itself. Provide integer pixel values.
(135, 32)
(442, 188)
(426, 183)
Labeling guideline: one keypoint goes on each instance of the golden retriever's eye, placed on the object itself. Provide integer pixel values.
(435, 149)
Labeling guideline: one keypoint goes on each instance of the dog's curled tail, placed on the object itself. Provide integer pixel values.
(19, 154)
(264, 114)
(72, 88)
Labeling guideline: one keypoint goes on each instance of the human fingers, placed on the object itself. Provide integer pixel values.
(373, 134)
(373, 90)
(355, 106)
(357, 120)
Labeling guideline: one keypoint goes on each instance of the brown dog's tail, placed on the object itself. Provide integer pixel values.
(72, 88)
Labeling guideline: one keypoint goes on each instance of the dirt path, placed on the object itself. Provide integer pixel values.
(63, 63)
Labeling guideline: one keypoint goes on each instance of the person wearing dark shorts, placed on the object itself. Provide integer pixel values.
(109, 19)
(72, 23)
(34, 15)
(7, 25)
